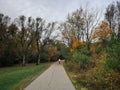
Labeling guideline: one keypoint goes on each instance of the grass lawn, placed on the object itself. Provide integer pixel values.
(17, 77)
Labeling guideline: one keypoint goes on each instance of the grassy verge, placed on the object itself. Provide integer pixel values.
(16, 78)
(73, 75)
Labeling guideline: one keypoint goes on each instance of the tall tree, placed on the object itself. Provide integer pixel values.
(22, 38)
(26, 36)
(112, 15)
(103, 32)
(8, 32)
(80, 25)
(39, 23)
(118, 17)
(45, 34)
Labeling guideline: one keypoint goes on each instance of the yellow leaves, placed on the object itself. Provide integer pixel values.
(76, 44)
(102, 32)
(71, 49)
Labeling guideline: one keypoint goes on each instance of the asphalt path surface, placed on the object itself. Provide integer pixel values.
(54, 78)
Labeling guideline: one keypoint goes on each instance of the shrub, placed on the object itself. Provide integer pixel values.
(7, 58)
(113, 59)
(81, 59)
(113, 64)
(72, 66)
(99, 79)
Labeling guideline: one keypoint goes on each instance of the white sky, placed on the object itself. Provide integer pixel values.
(51, 10)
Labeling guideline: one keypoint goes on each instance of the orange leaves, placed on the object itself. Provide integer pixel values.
(75, 45)
(71, 49)
(102, 32)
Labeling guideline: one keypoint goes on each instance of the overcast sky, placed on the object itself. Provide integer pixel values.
(51, 10)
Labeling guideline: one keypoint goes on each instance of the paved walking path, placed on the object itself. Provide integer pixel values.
(54, 78)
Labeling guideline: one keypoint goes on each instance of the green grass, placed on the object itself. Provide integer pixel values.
(17, 77)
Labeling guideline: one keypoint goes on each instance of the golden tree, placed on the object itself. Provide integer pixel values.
(76, 44)
(102, 32)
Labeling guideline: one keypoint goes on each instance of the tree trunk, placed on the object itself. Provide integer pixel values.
(88, 46)
(38, 61)
(119, 32)
(23, 60)
(38, 48)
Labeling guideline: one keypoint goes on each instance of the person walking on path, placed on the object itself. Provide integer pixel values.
(59, 60)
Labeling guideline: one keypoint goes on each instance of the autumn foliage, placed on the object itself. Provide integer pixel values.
(102, 32)
(76, 44)
(98, 66)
